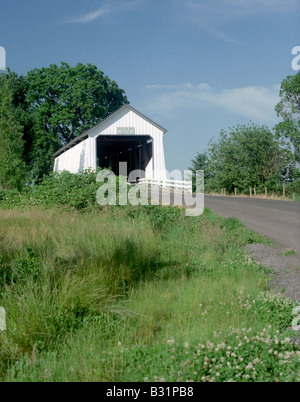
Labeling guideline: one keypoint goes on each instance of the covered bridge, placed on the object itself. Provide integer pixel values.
(126, 135)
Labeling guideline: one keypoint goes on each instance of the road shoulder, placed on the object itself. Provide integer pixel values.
(285, 276)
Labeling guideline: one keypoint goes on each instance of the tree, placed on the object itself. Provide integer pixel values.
(63, 102)
(18, 90)
(199, 163)
(246, 156)
(289, 109)
(12, 166)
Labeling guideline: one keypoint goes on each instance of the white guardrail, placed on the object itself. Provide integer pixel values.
(182, 185)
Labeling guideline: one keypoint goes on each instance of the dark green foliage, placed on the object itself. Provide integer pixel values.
(293, 187)
(289, 109)
(200, 162)
(246, 156)
(12, 166)
(66, 190)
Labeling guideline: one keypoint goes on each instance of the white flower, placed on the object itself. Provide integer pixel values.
(249, 366)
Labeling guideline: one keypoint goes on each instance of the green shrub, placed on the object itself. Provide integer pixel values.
(293, 188)
(10, 198)
(162, 218)
(67, 190)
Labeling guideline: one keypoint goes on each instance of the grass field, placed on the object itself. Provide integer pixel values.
(137, 294)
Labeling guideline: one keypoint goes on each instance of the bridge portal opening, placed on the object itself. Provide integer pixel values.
(135, 150)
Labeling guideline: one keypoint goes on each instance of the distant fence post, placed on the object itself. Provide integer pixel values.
(254, 189)
(283, 189)
(235, 191)
(293, 196)
(266, 192)
(250, 191)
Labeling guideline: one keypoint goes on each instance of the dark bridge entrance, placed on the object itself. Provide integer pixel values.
(136, 150)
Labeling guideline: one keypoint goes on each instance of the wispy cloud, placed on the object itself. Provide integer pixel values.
(216, 16)
(253, 102)
(89, 17)
(110, 7)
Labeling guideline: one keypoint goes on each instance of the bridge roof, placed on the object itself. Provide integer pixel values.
(85, 135)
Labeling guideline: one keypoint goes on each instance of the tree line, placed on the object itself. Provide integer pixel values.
(43, 111)
(253, 156)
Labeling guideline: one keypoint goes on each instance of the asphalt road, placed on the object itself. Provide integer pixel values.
(278, 220)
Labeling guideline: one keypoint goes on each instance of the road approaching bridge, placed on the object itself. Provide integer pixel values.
(278, 220)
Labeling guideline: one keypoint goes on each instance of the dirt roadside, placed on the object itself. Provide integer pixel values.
(285, 276)
(280, 222)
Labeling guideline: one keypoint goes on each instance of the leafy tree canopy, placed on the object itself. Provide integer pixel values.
(12, 166)
(200, 162)
(289, 109)
(245, 156)
(63, 102)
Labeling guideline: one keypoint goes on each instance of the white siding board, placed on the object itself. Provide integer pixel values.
(75, 159)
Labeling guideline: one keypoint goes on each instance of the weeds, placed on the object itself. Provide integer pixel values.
(137, 294)
(288, 252)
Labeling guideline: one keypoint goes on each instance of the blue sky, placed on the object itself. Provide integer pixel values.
(193, 66)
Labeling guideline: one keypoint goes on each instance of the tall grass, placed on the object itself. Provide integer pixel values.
(126, 295)
(57, 270)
